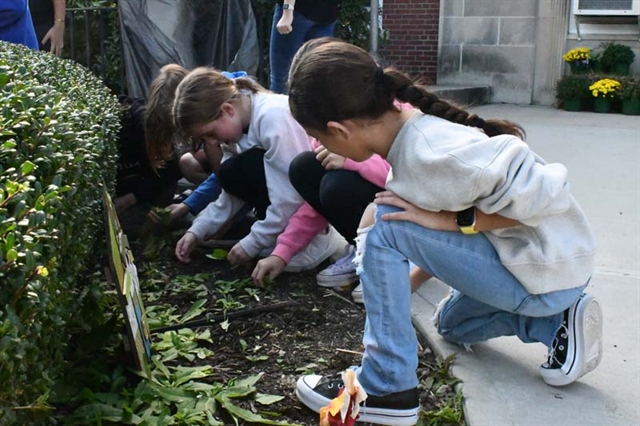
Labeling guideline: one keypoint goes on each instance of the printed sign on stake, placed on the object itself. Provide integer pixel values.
(123, 271)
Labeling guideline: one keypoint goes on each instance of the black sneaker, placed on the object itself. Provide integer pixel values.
(577, 347)
(396, 409)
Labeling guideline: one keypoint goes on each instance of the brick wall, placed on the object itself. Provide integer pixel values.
(412, 27)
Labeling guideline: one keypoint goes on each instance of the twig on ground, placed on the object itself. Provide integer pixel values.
(347, 351)
(329, 292)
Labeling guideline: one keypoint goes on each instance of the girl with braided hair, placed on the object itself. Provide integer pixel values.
(468, 202)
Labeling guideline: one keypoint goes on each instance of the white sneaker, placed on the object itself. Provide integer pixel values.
(357, 295)
(341, 273)
(577, 348)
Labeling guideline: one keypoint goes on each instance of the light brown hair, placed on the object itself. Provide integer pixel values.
(331, 80)
(159, 131)
(201, 94)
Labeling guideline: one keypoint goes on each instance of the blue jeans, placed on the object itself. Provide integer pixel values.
(284, 46)
(487, 300)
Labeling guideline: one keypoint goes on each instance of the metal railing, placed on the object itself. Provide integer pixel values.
(93, 39)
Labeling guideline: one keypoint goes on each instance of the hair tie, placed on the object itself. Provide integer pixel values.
(233, 75)
(479, 123)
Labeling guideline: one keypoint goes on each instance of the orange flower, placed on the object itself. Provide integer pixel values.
(347, 403)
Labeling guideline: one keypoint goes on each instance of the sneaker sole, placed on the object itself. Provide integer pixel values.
(379, 416)
(334, 281)
(585, 346)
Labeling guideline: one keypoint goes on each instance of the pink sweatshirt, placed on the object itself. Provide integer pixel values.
(306, 223)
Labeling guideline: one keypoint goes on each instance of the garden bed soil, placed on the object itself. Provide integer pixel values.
(319, 331)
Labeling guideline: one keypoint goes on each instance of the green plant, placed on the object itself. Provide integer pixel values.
(629, 89)
(615, 53)
(58, 130)
(572, 87)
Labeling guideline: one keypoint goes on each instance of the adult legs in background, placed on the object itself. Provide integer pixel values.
(283, 46)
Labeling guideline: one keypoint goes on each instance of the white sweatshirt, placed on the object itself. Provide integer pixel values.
(439, 165)
(273, 129)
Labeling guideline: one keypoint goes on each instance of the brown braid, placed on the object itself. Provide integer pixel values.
(331, 80)
(429, 103)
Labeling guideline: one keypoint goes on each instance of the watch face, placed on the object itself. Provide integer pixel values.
(286, 6)
(466, 217)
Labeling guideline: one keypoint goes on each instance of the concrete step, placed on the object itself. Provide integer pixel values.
(463, 95)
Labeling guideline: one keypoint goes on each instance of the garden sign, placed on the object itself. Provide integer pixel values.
(122, 272)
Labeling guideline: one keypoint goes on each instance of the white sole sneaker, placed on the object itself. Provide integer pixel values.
(380, 416)
(584, 350)
(336, 280)
(357, 295)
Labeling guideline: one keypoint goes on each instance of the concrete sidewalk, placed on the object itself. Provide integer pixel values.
(501, 384)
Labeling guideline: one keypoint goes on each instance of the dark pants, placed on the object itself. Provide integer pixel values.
(341, 196)
(243, 176)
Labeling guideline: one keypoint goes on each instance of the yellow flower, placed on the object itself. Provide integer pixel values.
(577, 54)
(605, 88)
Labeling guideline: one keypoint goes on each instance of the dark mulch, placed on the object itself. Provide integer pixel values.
(319, 331)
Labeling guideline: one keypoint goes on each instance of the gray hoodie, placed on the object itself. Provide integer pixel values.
(438, 165)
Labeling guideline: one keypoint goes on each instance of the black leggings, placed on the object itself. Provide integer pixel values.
(243, 176)
(341, 196)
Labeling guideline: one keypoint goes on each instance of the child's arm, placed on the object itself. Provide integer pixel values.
(442, 220)
(283, 139)
(375, 169)
(303, 226)
(207, 192)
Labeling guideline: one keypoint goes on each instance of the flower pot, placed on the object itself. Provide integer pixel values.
(631, 106)
(602, 105)
(579, 67)
(621, 69)
(572, 104)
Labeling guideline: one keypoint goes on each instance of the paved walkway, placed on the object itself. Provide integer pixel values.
(500, 378)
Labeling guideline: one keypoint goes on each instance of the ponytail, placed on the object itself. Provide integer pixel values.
(417, 95)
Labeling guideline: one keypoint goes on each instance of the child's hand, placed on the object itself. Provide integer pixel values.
(177, 211)
(185, 246)
(329, 160)
(269, 267)
(237, 255)
(443, 221)
(123, 202)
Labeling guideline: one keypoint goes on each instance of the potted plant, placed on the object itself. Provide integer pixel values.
(616, 58)
(630, 94)
(578, 59)
(572, 90)
(604, 91)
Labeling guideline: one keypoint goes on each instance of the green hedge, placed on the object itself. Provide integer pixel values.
(58, 131)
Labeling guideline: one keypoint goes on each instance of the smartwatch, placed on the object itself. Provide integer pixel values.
(287, 6)
(466, 221)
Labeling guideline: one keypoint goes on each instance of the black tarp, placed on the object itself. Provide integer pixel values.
(219, 33)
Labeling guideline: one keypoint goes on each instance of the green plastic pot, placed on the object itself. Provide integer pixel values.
(602, 105)
(579, 67)
(631, 106)
(621, 69)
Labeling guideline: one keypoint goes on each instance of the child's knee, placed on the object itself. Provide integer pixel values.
(368, 217)
(366, 223)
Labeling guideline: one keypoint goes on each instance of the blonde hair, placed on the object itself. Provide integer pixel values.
(159, 130)
(201, 94)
